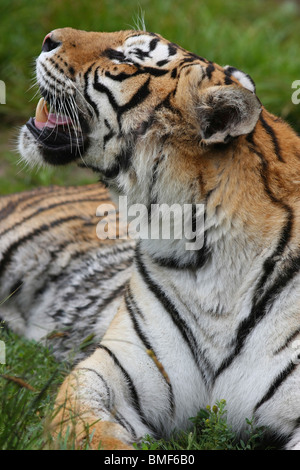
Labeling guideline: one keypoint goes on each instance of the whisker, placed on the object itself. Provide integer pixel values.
(65, 112)
(72, 84)
(34, 96)
(77, 122)
(68, 102)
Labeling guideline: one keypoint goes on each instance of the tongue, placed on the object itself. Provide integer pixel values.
(58, 119)
(45, 119)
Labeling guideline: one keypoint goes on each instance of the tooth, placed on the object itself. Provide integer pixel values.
(41, 113)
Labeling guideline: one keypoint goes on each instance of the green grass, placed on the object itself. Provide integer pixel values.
(25, 405)
(15, 177)
(210, 431)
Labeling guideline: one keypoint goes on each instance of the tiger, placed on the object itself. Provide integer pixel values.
(160, 125)
(50, 260)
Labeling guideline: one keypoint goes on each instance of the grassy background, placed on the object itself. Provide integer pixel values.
(260, 37)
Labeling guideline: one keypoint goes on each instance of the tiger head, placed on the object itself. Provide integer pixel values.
(125, 104)
(162, 125)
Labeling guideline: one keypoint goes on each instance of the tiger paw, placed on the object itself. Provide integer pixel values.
(105, 435)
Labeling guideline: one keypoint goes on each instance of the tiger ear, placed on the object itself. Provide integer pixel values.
(241, 76)
(226, 111)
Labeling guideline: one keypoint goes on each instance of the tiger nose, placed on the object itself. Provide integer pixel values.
(49, 43)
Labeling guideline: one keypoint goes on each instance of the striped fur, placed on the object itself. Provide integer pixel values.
(56, 270)
(162, 125)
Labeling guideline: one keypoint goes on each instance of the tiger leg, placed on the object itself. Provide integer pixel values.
(294, 442)
(76, 421)
(116, 396)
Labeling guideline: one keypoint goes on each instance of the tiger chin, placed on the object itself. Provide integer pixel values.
(161, 125)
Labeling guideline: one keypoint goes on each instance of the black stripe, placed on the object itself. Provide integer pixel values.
(258, 312)
(16, 288)
(153, 71)
(123, 422)
(250, 137)
(43, 287)
(262, 301)
(122, 76)
(85, 92)
(41, 194)
(48, 92)
(200, 257)
(152, 199)
(140, 54)
(105, 275)
(137, 98)
(52, 77)
(174, 73)
(172, 49)
(209, 70)
(8, 209)
(12, 249)
(122, 163)
(57, 66)
(45, 209)
(124, 158)
(194, 57)
(128, 380)
(110, 173)
(161, 63)
(273, 136)
(21, 197)
(181, 324)
(188, 60)
(288, 340)
(107, 388)
(285, 235)
(197, 262)
(104, 89)
(103, 302)
(165, 103)
(228, 80)
(140, 95)
(276, 384)
(133, 310)
(297, 423)
(135, 401)
(112, 295)
(108, 136)
(153, 44)
(112, 54)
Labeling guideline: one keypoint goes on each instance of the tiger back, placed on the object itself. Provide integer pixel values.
(53, 267)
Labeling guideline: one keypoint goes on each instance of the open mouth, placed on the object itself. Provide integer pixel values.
(61, 138)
